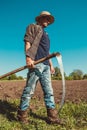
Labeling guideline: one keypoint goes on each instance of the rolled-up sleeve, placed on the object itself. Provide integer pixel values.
(33, 35)
(28, 35)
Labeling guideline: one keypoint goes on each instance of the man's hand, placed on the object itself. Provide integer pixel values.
(52, 69)
(29, 62)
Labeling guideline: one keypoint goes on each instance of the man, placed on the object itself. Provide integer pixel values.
(37, 45)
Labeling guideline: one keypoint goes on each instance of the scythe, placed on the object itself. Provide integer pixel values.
(57, 54)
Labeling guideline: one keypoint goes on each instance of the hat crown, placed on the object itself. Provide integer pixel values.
(45, 13)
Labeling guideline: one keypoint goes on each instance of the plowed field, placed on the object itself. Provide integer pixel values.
(76, 91)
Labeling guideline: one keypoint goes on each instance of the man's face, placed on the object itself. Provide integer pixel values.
(44, 22)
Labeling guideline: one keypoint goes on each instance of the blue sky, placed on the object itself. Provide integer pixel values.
(68, 34)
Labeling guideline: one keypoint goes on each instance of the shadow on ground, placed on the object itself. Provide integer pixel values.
(8, 109)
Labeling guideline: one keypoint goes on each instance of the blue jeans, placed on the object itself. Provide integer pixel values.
(41, 72)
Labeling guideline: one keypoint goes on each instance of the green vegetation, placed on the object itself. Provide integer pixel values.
(13, 77)
(75, 75)
(74, 116)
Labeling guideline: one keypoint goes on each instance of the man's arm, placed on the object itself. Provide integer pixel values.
(51, 67)
(33, 35)
(29, 61)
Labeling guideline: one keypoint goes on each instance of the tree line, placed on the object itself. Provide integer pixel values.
(13, 77)
(75, 75)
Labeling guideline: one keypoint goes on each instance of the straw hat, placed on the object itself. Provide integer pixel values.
(45, 14)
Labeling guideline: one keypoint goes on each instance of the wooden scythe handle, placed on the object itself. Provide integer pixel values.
(25, 67)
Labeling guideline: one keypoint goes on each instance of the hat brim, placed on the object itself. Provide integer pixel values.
(50, 18)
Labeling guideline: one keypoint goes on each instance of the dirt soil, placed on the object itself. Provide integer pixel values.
(75, 90)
